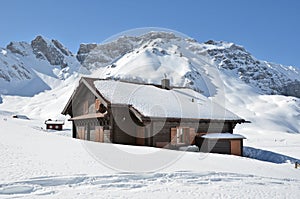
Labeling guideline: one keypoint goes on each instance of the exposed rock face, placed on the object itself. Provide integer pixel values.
(62, 49)
(4, 76)
(100, 55)
(14, 48)
(14, 71)
(292, 89)
(270, 78)
(93, 55)
(42, 49)
(23, 66)
(11, 66)
(83, 51)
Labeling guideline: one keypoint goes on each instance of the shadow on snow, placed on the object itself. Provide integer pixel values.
(268, 156)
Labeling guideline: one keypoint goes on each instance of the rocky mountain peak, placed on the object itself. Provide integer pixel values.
(269, 78)
(62, 49)
(20, 48)
(53, 51)
(23, 66)
(100, 55)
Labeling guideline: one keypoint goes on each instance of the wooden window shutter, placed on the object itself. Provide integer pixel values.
(140, 139)
(97, 104)
(173, 136)
(86, 107)
(99, 134)
(81, 133)
(186, 134)
(192, 136)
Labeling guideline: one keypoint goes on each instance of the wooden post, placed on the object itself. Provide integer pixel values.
(192, 136)
(296, 165)
(173, 136)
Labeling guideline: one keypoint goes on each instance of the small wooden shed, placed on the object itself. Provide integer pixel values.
(54, 124)
(226, 143)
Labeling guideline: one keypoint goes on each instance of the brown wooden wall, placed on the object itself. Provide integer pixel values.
(124, 125)
(223, 146)
(84, 103)
(58, 127)
(92, 129)
(236, 147)
(161, 130)
(215, 146)
(215, 127)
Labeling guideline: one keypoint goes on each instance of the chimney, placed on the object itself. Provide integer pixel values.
(165, 84)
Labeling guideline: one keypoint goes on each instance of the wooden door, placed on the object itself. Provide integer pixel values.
(80, 133)
(99, 134)
(173, 136)
(192, 136)
(140, 136)
(235, 147)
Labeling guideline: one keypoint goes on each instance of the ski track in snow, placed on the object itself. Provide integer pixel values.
(129, 185)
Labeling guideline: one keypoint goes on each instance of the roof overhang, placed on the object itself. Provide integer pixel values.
(83, 82)
(88, 116)
(53, 122)
(222, 136)
(237, 121)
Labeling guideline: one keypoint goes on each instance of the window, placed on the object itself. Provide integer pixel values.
(56, 127)
(86, 107)
(50, 126)
(182, 135)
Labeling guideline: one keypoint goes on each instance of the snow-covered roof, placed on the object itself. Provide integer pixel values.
(24, 117)
(152, 101)
(222, 136)
(54, 122)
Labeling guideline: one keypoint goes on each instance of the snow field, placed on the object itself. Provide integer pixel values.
(41, 164)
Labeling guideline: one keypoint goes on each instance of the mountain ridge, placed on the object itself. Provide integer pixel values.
(23, 64)
(20, 62)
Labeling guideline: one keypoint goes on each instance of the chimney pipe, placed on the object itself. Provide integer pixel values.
(165, 84)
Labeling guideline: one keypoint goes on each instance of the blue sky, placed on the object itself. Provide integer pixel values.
(269, 29)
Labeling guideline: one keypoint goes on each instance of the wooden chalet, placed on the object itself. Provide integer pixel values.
(54, 124)
(151, 115)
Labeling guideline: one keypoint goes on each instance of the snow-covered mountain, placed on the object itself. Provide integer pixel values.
(269, 77)
(162, 53)
(27, 69)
